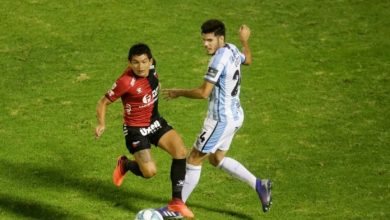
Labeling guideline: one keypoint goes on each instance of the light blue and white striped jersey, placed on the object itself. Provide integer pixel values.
(225, 73)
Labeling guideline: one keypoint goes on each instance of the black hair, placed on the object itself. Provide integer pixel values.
(213, 26)
(139, 49)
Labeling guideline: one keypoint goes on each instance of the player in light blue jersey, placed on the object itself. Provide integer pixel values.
(221, 86)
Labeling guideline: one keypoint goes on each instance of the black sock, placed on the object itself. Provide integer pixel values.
(178, 173)
(132, 165)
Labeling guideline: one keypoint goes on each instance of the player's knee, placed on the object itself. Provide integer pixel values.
(215, 160)
(196, 158)
(149, 172)
(192, 161)
(180, 153)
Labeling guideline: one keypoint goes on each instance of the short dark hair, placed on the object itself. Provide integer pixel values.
(139, 49)
(213, 26)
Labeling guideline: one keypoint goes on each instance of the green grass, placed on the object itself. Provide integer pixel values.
(316, 101)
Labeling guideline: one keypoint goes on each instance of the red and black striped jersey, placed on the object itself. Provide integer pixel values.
(139, 97)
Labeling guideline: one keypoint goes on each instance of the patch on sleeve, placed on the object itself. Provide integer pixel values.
(212, 72)
(111, 92)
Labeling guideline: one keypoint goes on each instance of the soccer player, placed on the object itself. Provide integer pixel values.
(225, 116)
(138, 87)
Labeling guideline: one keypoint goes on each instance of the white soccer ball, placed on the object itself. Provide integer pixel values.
(148, 214)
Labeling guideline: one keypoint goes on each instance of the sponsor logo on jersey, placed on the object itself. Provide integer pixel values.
(139, 90)
(150, 99)
(146, 99)
(151, 129)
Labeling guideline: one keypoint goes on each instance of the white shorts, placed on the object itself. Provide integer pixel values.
(216, 135)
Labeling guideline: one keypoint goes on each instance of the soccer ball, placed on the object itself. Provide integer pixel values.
(148, 214)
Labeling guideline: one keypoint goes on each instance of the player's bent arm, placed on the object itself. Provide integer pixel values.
(247, 52)
(101, 115)
(202, 92)
(244, 35)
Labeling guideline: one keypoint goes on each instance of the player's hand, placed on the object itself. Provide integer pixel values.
(99, 131)
(244, 32)
(169, 94)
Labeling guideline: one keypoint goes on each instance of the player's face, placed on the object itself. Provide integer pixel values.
(140, 65)
(212, 43)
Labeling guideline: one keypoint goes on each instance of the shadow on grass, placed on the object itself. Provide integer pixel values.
(33, 209)
(237, 215)
(53, 177)
(57, 178)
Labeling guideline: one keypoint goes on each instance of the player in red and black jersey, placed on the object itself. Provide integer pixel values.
(138, 88)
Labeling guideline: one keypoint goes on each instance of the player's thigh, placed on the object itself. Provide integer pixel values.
(145, 162)
(172, 143)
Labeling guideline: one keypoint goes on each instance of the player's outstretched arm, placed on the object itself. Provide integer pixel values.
(244, 34)
(101, 115)
(203, 92)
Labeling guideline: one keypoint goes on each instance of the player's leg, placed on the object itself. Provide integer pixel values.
(143, 166)
(146, 163)
(123, 165)
(228, 164)
(233, 167)
(204, 144)
(170, 141)
(173, 144)
(139, 146)
(193, 171)
(237, 170)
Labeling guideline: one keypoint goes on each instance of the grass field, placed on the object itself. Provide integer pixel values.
(316, 101)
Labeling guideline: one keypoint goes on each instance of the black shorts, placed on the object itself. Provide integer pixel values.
(139, 138)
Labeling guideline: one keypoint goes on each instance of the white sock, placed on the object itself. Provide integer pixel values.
(191, 180)
(237, 170)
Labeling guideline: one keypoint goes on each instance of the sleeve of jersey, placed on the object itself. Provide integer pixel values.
(215, 69)
(117, 90)
(243, 58)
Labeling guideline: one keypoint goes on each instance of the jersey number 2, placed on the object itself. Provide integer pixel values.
(237, 77)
